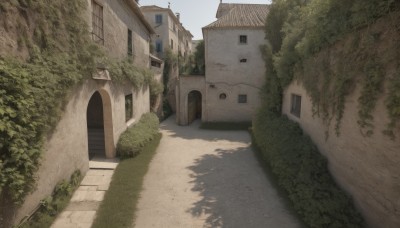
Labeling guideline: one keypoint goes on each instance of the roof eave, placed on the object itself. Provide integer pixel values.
(136, 9)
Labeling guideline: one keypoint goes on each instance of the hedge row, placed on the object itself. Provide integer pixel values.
(302, 172)
(135, 138)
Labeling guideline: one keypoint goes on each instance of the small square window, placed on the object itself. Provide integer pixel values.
(295, 105)
(158, 19)
(243, 60)
(243, 39)
(128, 107)
(242, 98)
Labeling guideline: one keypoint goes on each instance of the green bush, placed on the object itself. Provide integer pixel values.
(135, 138)
(51, 206)
(302, 172)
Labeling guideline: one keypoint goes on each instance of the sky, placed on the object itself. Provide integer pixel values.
(196, 14)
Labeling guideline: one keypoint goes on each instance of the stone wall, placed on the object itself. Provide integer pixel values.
(366, 167)
(225, 73)
(66, 149)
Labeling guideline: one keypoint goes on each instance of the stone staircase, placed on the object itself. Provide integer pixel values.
(86, 200)
(96, 142)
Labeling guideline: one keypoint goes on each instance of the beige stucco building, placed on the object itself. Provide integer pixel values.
(169, 30)
(235, 69)
(99, 109)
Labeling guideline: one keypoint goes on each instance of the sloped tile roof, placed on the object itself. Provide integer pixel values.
(241, 16)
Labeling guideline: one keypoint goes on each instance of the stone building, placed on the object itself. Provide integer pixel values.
(235, 69)
(99, 109)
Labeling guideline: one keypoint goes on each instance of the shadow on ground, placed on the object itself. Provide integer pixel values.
(236, 194)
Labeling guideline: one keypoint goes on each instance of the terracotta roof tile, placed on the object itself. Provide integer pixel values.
(242, 16)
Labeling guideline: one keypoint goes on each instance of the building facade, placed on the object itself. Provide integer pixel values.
(98, 110)
(235, 68)
(170, 33)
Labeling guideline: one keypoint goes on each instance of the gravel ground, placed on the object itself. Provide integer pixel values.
(203, 178)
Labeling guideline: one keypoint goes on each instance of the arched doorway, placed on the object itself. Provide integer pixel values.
(99, 126)
(194, 106)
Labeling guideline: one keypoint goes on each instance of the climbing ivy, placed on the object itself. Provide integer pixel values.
(33, 89)
(307, 30)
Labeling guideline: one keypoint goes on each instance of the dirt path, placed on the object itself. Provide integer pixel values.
(202, 178)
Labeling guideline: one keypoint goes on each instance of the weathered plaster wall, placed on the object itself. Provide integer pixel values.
(186, 85)
(366, 167)
(118, 18)
(226, 74)
(66, 149)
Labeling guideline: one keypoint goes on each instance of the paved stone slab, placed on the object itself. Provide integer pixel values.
(74, 219)
(96, 180)
(100, 172)
(98, 163)
(83, 206)
(87, 196)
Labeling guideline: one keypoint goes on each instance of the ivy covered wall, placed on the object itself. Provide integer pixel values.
(344, 56)
(46, 51)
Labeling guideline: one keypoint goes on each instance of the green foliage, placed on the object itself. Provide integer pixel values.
(135, 138)
(197, 63)
(51, 206)
(302, 171)
(119, 205)
(170, 63)
(122, 71)
(299, 34)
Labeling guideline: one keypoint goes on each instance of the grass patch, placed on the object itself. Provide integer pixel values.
(51, 206)
(226, 126)
(119, 204)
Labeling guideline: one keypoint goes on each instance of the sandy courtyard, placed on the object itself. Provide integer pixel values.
(203, 178)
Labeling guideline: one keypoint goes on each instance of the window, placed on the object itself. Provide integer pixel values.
(242, 98)
(172, 44)
(130, 45)
(174, 27)
(159, 47)
(222, 96)
(295, 106)
(243, 39)
(97, 23)
(155, 64)
(158, 19)
(128, 107)
(243, 60)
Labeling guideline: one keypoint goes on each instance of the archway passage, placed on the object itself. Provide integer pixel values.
(95, 126)
(194, 106)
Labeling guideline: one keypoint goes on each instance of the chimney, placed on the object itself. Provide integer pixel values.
(178, 15)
